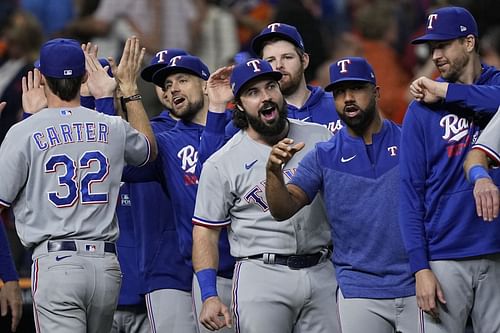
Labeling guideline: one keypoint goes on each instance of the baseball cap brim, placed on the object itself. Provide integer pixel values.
(161, 75)
(148, 72)
(332, 85)
(433, 37)
(272, 75)
(258, 41)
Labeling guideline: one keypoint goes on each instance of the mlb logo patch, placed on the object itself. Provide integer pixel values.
(65, 113)
(68, 72)
(90, 248)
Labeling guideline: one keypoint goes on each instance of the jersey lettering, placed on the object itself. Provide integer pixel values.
(334, 126)
(188, 156)
(455, 128)
(71, 133)
(69, 179)
(255, 196)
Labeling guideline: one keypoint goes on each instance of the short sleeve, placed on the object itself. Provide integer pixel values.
(213, 198)
(308, 175)
(137, 147)
(14, 166)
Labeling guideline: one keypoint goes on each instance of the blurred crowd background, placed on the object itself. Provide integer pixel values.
(219, 31)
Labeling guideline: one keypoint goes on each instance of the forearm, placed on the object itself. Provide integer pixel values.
(139, 120)
(282, 203)
(475, 157)
(205, 248)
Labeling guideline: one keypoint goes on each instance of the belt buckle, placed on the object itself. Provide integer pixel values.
(297, 262)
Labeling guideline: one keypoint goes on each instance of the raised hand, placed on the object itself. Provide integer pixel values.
(127, 71)
(215, 314)
(219, 89)
(282, 152)
(99, 83)
(33, 98)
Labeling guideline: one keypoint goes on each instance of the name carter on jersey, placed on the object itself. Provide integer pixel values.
(71, 133)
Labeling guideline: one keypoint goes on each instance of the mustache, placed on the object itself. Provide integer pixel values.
(268, 105)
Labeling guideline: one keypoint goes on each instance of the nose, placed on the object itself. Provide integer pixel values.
(436, 54)
(349, 95)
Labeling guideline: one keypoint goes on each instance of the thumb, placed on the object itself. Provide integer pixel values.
(227, 317)
(113, 65)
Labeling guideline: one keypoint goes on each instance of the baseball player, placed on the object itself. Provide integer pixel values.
(376, 289)
(282, 46)
(283, 280)
(182, 149)
(485, 151)
(62, 168)
(10, 293)
(454, 254)
(167, 277)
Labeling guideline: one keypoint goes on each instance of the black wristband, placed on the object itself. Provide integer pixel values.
(136, 97)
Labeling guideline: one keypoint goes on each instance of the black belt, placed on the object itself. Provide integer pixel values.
(295, 261)
(69, 245)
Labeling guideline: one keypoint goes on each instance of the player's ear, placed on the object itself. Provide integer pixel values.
(85, 77)
(205, 88)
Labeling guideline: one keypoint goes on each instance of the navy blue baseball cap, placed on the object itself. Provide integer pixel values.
(249, 70)
(280, 30)
(61, 58)
(160, 60)
(448, 23)
(350, 69)
(181, 64)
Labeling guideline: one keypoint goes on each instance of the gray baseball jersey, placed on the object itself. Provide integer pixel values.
(232, 192)
(61, 171)
(489, 140)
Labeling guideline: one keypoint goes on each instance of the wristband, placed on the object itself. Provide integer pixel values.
(477, 172)
(136, 97)
(207, 279)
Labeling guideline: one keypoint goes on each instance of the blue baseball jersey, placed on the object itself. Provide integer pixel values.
(361, 195)
(319, 108)
(437, 211)
(160, 262)
(181, 153)
(132, 284)
(7, 269)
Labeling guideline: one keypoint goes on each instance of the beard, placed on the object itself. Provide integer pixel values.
(273, 128)
(290, 86)
(455, 69)
(188, 112)
(360, 123)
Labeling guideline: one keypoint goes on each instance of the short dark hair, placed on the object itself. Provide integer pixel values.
(65, 89)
